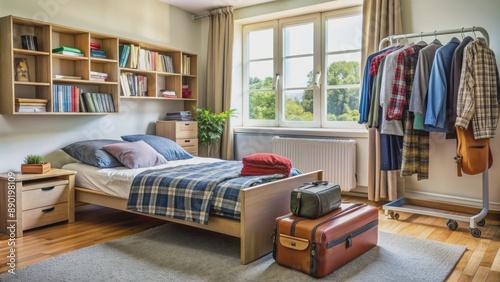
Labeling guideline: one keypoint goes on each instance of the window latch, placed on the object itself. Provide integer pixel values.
(276, 79)
(317, 78)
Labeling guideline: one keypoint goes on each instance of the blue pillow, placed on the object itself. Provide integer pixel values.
(90, 152)
(166, 147)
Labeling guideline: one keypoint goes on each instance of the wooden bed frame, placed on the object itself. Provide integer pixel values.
(260, 206)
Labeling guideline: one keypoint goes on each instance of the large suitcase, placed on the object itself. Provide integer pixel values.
(320, 246)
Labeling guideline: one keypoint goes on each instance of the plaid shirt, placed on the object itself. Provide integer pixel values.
(479, 90)
(375, 63)
(406, 64)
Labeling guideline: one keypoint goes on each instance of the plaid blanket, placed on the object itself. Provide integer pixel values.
(188, 192)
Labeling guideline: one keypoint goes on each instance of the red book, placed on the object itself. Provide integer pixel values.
(95, 44)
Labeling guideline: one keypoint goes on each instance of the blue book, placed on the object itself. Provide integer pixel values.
(126, 53)
(102, 52)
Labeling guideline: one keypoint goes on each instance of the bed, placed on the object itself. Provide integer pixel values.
(259, 205)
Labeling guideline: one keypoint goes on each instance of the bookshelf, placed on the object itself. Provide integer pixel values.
(98, 69)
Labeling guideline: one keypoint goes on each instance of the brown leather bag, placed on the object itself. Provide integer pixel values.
(472, 154)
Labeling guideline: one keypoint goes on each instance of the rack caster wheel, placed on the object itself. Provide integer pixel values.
(394, 215)
(452, 224)
(481, 222)
(475, 232)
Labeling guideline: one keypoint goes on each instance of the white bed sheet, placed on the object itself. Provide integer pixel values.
(116, 181)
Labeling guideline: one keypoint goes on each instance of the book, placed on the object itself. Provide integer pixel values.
(67, 49)
(68, 53)
(30, 109)
(98, 51)
(89, 104)
(60, 76)
(95, 45)
(31, 100)
(29, 42)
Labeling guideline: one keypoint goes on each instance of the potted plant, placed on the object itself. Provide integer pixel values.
(211, 126)
(35, 164)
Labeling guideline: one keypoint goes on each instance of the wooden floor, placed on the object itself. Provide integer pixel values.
(481, 261)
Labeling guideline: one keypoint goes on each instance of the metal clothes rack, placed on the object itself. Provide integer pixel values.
(425, 207)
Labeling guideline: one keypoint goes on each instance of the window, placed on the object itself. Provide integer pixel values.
(303, 71)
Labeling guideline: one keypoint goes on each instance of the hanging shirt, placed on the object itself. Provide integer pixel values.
(455, 73)
(421, 83)
(478, 92)
(435, 116)
(392, 127)
(366, 88)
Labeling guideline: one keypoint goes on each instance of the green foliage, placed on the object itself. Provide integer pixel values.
(33, 159)
(211, 125)
(342, 102)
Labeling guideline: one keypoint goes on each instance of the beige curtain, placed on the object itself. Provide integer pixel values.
(219, 68)
(381, 18)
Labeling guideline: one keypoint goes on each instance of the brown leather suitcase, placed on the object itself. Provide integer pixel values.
(320, 246)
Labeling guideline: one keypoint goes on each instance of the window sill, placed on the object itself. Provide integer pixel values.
(323, 132)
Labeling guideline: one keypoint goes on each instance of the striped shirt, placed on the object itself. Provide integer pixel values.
(479, 90)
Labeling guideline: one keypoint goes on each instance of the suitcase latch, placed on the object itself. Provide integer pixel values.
(348, 242)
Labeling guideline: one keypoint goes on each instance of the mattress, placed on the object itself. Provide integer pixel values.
(117, 181)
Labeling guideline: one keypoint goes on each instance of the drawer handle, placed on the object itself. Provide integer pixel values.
(48, 210)
(187, 141)
(48, 188)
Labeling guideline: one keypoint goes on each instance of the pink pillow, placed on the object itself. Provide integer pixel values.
(135, 154)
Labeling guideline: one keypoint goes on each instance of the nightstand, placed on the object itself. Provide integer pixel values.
(184, 133)
(33, 200)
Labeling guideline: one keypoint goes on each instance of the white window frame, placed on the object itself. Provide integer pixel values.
(320, 68)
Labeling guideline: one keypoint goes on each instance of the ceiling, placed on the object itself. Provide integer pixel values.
(200, 7)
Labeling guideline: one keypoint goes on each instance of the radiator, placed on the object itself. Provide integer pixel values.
(336, 157)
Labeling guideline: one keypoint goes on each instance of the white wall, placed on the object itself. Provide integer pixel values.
(148, 20)
(430, 15)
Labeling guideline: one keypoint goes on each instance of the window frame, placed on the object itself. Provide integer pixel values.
(320, 57)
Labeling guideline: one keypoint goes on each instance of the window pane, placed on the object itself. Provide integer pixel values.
(343, 69)
(262, 105)
(299, 105)
(342, 104)
(260, 75)
(298, 39)
(344, 33)
(298, 72)
(260, 44)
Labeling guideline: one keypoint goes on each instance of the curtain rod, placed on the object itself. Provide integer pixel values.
(435, 33)
(197, 17)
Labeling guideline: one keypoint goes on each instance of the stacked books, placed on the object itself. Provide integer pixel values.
(63, 50)
(180, 115)
(29, 105)
(168, 93)
(98, 76)
(98, 54)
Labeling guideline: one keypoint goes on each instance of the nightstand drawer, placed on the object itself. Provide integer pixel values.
(184, 130)
(190, 145)
(44, 215)
(45, 196)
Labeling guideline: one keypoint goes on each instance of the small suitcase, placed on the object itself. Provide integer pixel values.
(320, 246)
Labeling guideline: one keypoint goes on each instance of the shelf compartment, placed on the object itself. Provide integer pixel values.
(63, 66)
(109, 45)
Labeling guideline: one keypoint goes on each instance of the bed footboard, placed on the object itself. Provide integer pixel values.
(260, 206)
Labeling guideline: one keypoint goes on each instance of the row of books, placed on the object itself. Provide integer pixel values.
(29, 42)
(133, 84)
(186, 62)
(30, 105)
(70, 98)
(134, 57)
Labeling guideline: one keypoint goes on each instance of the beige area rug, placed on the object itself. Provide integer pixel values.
(173, 252)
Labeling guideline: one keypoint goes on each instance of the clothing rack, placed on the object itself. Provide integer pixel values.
(423, 207)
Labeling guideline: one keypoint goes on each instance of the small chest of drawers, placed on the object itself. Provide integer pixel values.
(35, 200)
(184, 133)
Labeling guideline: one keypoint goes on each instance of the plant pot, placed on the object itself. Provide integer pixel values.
(35, 168)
